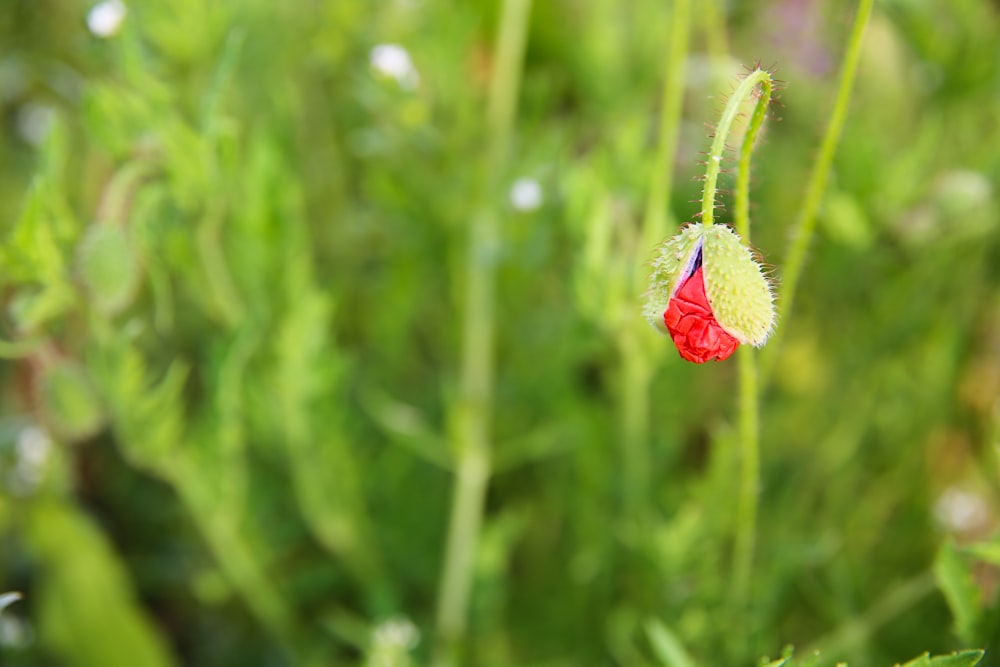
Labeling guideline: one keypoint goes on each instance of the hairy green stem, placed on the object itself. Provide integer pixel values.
(758, 77)
(805, 224)
(747, 499)
(749, 488)
(473, 419)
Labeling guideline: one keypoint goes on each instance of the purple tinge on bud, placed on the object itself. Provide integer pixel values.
(709, 294)
(690, 321)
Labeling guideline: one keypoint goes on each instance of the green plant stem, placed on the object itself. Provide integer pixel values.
(805, 224)
(715, 29)
(749, 488)
(758, 77)
(636, 364)
(662, 181)
(747, 498)
(859, 629)
(473, 421)
(636, 377)
(742, 216)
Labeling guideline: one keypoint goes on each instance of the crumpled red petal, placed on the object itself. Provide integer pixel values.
(692, 325)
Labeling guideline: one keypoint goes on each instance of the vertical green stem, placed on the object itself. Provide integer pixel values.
(662, 181)
(636, 377)
(805, 224)
(473, 418)
(636, 365)
(715, 29)
(746, 511)
(749, 488)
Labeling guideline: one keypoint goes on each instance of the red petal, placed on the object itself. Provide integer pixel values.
(692, 325)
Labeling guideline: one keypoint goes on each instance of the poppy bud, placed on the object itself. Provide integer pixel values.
(709, 294)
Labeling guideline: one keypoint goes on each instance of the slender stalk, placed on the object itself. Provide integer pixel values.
(805, 224)
(742, 217)
(859, 629)
(747, 499)
(715, 29)
(636, 365)
(749, 407)
(473, 420)
(636, 377)
(749, 488)
(715, 154)
(662, 181)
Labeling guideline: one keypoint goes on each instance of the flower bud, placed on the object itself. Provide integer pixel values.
(709, 294)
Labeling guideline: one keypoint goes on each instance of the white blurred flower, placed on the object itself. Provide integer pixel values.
(396, 632)
(105, 18)
(393, 61)
(960, 511)
(15, 633)
(392, 641)
(526, 194)
(33, 448)
(34, 121)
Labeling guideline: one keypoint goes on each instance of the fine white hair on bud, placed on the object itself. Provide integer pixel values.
(737, 293)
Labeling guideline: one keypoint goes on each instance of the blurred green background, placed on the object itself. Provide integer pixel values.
(247, 337)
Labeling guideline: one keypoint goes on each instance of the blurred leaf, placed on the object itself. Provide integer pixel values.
(68, 402)
(988, 552)
(668, 647)
(923, 660)
(87, 610)
(960, 659)
(962, 595)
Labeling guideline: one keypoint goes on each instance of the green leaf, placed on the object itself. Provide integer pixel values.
(988, 552)
(667, 646)
(955, 581)
(968, 658)
(922, 660)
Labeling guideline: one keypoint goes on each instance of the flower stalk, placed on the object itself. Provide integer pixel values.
(472, 422)
(712, 296)
(805, 224)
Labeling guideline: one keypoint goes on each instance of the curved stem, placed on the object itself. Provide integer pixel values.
(742, 218)
(714, 165)
(805, 224)
(746, 510)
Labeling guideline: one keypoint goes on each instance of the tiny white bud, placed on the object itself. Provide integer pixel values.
(525, 194)
(393, 61)
(105, 19)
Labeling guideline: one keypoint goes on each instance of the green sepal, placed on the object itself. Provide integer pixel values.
(673, 256)
(736, 287)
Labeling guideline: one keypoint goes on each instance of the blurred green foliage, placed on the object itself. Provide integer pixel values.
(233, 267)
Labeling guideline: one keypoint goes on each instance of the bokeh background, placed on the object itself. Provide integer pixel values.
(237, 328)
